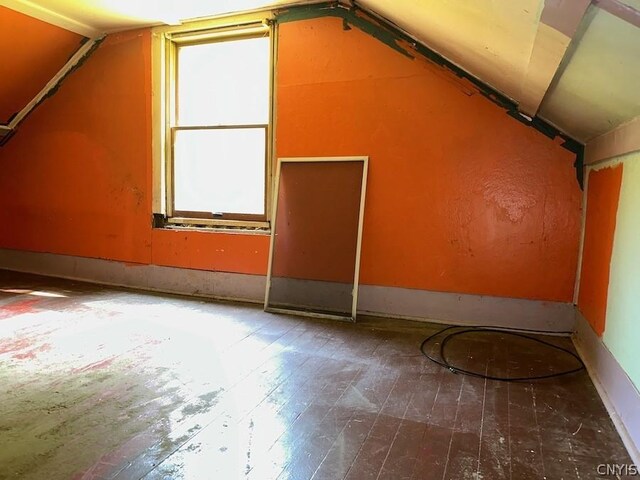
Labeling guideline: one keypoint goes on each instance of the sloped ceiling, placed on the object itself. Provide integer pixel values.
(599, 88)
(568, 61)
(571, 63)
(96, 17)
(490, 39)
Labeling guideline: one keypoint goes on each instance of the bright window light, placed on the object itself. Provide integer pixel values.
(224, 83)
(220, 171)
(221, 133)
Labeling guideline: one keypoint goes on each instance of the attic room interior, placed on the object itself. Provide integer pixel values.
(373, 239)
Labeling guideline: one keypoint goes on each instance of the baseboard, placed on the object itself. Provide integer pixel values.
(619, 395)
(393, 302)
(464, 309)
(155, 278)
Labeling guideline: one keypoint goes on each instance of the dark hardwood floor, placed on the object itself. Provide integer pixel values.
(101, 383)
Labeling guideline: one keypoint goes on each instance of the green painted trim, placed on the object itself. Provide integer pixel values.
(349, 16)
(389, 34)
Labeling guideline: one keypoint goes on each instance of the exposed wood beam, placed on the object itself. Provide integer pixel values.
(74, 61)
(49, 16)
(54, 82)
(558, 24)
(619, 141)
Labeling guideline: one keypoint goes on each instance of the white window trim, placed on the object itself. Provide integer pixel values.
(164, 41)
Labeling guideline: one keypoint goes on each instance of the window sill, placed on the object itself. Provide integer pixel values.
(219, 226)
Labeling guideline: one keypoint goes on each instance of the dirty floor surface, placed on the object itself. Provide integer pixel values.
(100, 383)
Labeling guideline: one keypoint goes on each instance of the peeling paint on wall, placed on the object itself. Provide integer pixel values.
(600, 227)
(436, 217)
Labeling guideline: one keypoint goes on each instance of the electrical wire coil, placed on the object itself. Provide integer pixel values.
(443, 361)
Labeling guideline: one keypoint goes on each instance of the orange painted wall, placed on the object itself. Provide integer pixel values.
(32, 53)
(461, 197)
(602, 205)
(76, 177)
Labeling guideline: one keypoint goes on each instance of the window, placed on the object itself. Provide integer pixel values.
(218, 128)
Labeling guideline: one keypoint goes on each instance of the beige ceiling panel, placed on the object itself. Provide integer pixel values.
(598, 89)
(491, 39)
(624, 139)
(501, 42)
(559, 22)
(547, 54)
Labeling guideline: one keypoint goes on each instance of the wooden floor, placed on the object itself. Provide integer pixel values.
(99, 383)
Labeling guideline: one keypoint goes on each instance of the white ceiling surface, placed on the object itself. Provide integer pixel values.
(595, 91)
(99, 16)
(492, 39)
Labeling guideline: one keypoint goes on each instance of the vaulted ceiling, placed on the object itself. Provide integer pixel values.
(573, 63)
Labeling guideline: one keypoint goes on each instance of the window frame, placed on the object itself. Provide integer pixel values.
(167, 41)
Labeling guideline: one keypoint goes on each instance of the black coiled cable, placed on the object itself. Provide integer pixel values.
(444, 362)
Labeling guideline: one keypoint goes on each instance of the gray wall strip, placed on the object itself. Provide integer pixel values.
(438, 307)
(443, 307)
(183, 281)
(618, 393)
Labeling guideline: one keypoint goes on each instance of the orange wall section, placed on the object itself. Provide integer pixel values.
(602, 206)
(77, 175)
(460, 198)
(33, 52)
